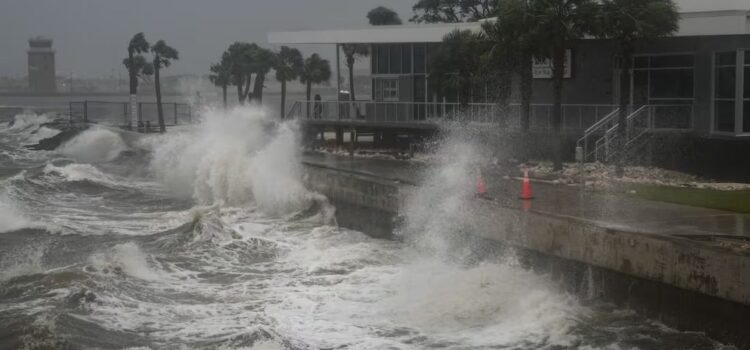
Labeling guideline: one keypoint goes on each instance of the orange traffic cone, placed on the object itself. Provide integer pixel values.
(526, 185)
(481, 188)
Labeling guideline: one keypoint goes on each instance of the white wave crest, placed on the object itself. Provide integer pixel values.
(41, 134)
(491, 303)
(22, 261)
(127, 259)
(27, 121)
(440, 209)
(94, 145)
(11, 218)
(80, 172)
(235, 157)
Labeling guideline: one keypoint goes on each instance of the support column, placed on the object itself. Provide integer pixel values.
(339, 136)
(338, 81)
(352, 141)
(134, 109)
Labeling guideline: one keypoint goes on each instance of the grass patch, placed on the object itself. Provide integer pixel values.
(736, 201)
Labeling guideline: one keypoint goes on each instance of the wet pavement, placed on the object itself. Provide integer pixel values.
(607, 210)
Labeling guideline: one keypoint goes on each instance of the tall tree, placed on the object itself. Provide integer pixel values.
(351, 52)
(240, 58)
(163, 57)
(627, 22)
(499, 61)
(221, 76)
(516, 34)
(137, 66)
(451, 11)
(457, 62)
(563, 22)
(383, 16)
(315, 71)
(261, 64)
(288, 65)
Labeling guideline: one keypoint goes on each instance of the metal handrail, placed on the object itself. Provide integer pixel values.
(633, 133)
(611, 134)
(582, 143)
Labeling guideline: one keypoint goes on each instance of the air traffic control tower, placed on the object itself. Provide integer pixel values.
(41, 66)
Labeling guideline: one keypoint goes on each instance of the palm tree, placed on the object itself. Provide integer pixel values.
(351, 52)
(240, 56)
(262, 62)
(499, 60)
(288, 65)
(515, 33)
(457, 62)
(137, 66)
(221, 76)
(562, 21)
(383, 16)
(626, 22)
(315, 71)
(163, 56)
(451, 11)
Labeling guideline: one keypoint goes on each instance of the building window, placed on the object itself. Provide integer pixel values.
(395, 65)
(746, 92)
(668, 81)
(382, 59)
(725, 86)
(667, 78)
(420, 58)
(391, 59)
(386, 89)
(731, 97)
(406, 52)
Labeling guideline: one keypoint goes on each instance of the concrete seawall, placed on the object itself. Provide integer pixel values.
(682, 282)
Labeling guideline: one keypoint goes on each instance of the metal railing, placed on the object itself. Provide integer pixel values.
(640, 124)
(574, 116)
(119, 113)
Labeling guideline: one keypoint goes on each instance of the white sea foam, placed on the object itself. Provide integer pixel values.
(23, 261)
(11, 217)
(80, 172)
(235, 157)
(28, 121)
(94, 145)
(126, 258)
(41, 134)
(438, 212)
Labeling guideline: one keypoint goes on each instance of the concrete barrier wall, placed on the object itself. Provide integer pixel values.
(684, 283)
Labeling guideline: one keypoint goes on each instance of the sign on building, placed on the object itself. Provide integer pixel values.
(543, 67)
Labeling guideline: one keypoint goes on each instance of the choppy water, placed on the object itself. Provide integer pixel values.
(206, 238)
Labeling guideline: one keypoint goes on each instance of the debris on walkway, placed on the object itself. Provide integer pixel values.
(603, 176)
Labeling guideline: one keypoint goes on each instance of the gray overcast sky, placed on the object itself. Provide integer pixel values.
(90, 35)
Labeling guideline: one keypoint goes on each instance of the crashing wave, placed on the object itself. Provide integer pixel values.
(94, 145)
(237, 157)
(125, 259)
(27, 121)
(80, 172)
(11, 218)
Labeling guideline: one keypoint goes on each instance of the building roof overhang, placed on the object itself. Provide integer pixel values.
(702, 23)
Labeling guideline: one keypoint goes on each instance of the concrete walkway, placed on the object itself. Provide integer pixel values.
(605, 210)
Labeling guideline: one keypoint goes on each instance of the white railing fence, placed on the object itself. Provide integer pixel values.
(574, 116)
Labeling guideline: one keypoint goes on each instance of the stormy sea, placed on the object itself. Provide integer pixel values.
(206, 237)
